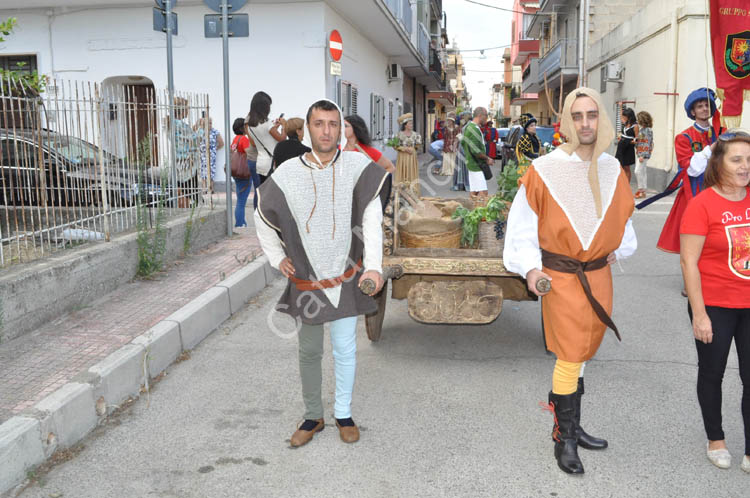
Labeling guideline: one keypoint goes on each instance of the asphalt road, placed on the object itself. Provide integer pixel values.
(444, 410)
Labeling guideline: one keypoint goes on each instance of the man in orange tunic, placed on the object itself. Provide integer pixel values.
(569, 221)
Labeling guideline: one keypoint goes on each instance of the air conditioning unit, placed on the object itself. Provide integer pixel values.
(395, 73)
(614, 71)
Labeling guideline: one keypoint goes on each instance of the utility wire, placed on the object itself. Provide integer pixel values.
(504, 9)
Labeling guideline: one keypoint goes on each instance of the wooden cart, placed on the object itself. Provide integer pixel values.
(444, 286)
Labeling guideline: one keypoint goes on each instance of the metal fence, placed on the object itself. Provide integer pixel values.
(84, 160)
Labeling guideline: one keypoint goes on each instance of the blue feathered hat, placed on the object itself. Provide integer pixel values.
(700, 94)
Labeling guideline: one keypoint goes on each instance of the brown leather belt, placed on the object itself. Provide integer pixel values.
(327, 283)
(565, 264)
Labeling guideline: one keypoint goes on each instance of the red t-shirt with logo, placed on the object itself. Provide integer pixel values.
(724, 263)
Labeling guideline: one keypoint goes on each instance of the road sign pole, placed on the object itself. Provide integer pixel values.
(227, 164)
(172, 161)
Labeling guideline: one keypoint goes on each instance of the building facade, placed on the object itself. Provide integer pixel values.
(385, 67)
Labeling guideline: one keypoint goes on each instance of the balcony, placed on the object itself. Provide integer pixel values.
(406, 15)
(562, 57)
(523, 50)
(423, 42)
(530, 82)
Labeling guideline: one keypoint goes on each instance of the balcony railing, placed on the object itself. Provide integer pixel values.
(530, 82)
(423, 42)
(406, 15)
(562, 55)
(401, 10)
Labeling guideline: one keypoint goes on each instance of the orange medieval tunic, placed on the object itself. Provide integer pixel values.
(557, 190)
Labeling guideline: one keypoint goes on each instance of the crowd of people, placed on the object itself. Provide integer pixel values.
(565, 228)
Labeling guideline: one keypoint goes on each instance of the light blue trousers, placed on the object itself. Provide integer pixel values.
(344, 345)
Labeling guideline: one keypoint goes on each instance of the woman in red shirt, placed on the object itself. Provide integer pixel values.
(715, 259)
(358, 139)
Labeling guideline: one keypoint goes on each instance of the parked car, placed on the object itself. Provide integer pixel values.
(502, 134)
(73, 172)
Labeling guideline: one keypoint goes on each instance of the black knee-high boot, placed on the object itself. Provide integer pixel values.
(586, 440)
(564, 434)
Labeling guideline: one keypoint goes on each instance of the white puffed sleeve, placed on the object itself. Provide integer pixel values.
(521, 253)
(699, 161)
(269, 241)
(372, 234)
(629, 242)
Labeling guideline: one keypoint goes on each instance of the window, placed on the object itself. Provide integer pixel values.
(11, 63)
(347, 97)
(603, 79)
(377, 116)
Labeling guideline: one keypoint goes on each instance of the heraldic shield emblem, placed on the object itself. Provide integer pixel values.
(739, 250)
(737, 54)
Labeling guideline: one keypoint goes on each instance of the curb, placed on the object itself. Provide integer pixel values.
(66, 416)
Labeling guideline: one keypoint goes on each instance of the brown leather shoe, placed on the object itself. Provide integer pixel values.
(349, 434)
(301, 436)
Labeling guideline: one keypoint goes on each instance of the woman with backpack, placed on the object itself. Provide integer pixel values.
(244, 174)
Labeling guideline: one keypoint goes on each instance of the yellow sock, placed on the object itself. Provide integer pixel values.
(565, 377)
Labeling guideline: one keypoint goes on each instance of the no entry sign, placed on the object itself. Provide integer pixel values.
(335, 45)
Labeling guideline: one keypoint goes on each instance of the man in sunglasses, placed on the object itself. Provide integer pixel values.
(692, 150)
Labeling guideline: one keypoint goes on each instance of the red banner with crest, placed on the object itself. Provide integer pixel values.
(730, 43)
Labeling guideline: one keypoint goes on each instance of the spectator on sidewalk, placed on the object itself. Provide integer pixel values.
(715, 260)
(626, 145)
(242, 144)
(644, 148)
(358, 139)
(292, 146)
(264, 133)
(215, 143)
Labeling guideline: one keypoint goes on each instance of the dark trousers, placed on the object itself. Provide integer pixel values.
(727, 324)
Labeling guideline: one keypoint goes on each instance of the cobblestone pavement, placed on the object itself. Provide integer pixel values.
(36, 364)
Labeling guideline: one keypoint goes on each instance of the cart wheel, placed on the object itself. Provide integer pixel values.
(374, 322)
(544, 337)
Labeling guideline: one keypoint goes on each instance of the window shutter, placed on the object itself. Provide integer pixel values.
(353, 100)
(373, 113)
(390, 119)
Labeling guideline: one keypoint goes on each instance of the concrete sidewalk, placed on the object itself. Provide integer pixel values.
(59, 381)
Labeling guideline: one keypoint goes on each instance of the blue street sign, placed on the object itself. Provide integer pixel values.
(232, 6)
(160, 21)
(239, 26)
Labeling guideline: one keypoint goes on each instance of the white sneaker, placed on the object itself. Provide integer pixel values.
(721, 458)
(745, 464)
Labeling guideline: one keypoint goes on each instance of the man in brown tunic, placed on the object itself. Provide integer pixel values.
(319, 222)
(567, 224)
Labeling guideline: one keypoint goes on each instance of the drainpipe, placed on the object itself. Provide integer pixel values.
(672, 89)
(581, 42)
(50, 18)
(585, 36)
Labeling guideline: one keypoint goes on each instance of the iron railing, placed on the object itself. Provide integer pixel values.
(83, 161)
(423, 42)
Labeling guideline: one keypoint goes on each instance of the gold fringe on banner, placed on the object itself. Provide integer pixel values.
(731, 121)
